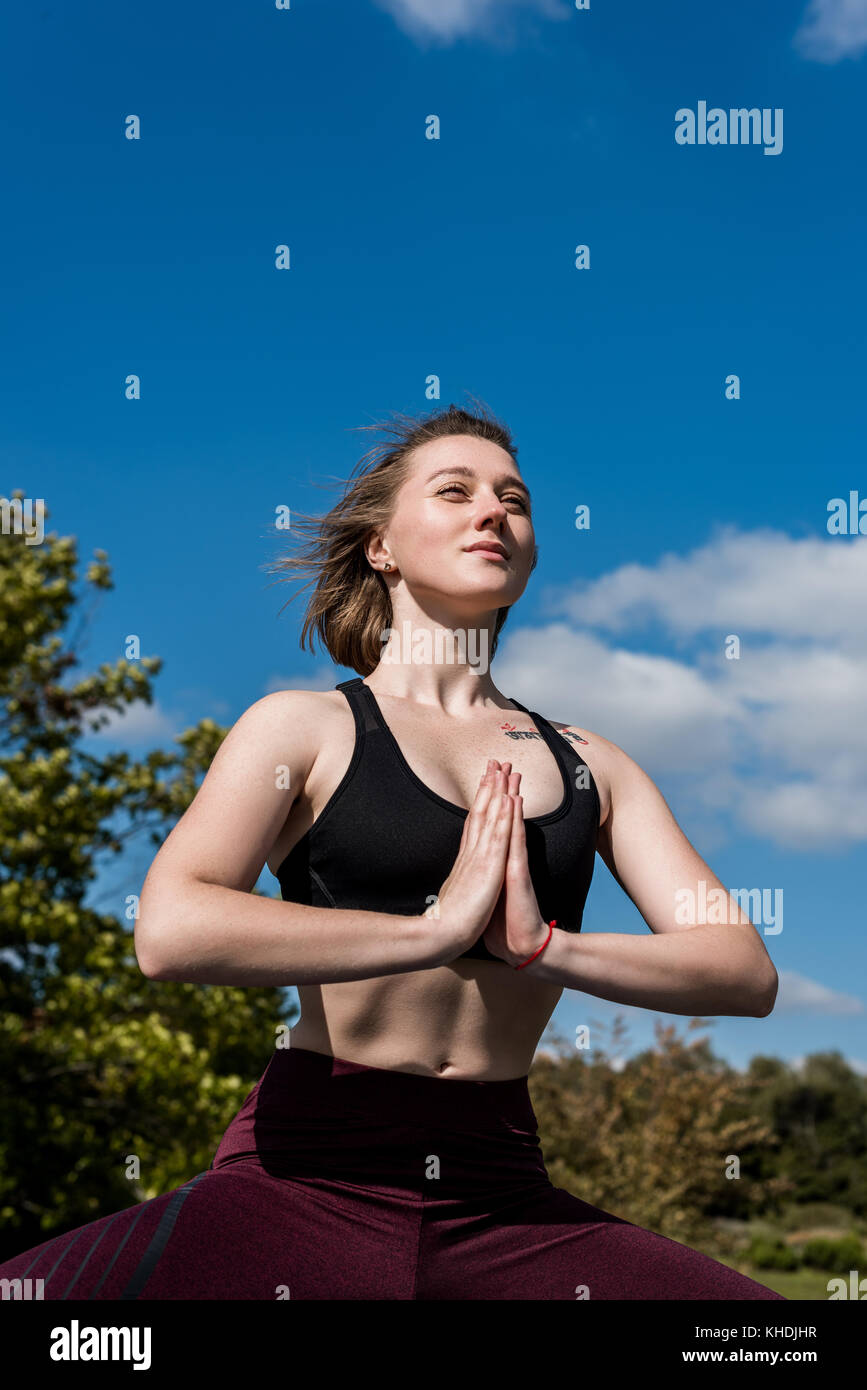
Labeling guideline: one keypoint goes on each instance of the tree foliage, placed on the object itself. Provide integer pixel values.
(97, 1063)
(674, 1138)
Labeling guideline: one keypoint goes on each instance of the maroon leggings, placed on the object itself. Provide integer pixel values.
(342, 1181)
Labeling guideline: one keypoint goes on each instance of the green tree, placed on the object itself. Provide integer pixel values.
(649, 1139)
(820, 1113)
(97, 1063)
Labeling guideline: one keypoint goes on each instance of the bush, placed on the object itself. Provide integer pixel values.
(771, 1254)
(803, 1216)
(837, 1256)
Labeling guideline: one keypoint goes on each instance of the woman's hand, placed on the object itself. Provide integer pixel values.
(464, 904)
(516, 928)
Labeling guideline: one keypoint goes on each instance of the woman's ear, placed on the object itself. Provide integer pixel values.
(373, 550)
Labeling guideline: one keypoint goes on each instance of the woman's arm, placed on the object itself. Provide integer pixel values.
(222, 936)
(686, 967)
(198, 919)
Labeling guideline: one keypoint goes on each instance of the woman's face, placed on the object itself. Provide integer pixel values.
(461, 492)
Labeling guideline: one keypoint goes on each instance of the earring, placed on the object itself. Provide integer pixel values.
(387, 566)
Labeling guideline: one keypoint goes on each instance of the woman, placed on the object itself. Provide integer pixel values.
(434, 842)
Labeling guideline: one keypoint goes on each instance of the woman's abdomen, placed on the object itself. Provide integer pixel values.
(471, 1019)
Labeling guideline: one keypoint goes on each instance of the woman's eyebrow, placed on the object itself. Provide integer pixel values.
(507, 480)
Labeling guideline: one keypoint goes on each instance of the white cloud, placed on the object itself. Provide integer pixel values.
(324, 678)
(760, 581)
(457, 19)
(143, 724)
(777, 740)
(657, 708)
(799, 995)
(833, 29)
(796, 994)
(139, 723)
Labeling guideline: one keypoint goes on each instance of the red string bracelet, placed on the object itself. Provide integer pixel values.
(551, 926)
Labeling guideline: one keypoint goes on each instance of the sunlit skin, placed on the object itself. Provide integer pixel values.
(516, 928)
(463, 490)
(464, 1017)
(440, 582)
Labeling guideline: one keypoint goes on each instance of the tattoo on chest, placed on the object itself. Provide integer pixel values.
(511, 732)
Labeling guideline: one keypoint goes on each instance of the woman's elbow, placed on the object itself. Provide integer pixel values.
(152, 961)
(148, 965)
(768, 998)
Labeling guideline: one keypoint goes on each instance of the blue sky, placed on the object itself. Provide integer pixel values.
(455, 257)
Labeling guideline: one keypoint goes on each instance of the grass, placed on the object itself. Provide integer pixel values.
(796, 1225)
(803, 1283)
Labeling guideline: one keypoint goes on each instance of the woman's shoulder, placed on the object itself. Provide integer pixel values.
(612, 754)
(599, 753)
(293, 703)
(296, 719)
(298, 700)
(615, 772)
(579, 737)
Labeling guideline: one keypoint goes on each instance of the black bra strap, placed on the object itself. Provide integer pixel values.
(365, 715)
(552, 738)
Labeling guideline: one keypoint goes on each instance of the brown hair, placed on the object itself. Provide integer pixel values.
(350, 606)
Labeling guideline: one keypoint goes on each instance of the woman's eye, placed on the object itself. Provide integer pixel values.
(454, 487)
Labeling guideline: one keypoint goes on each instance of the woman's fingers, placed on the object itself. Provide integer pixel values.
(497, 780)
(472, 890)
(518, 840)
(477, 810)
(497, 824)
(516, 861)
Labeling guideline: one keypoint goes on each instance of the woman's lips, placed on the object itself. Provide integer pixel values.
(488, 554)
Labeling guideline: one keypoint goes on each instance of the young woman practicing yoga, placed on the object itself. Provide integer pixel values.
(434, 841)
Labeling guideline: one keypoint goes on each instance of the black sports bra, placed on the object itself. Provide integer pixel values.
(384, 842)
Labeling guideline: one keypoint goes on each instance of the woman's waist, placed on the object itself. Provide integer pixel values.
(328, 1119)
(471, 1020)
(321, 1095)
(381, 1050)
